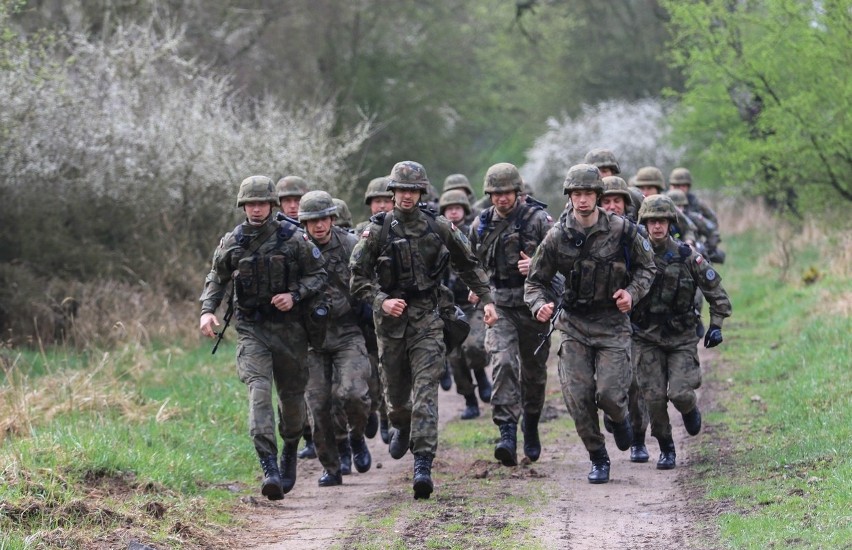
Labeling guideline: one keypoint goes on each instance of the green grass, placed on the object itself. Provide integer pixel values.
(788, 406)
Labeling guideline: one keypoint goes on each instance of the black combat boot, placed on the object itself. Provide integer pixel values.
(422, 475)
(360, 454)
(471, 409)
(446, 380)
(372, 427)
(271, 487)
(383, 429)
(600, 467)
(507, 450)
(345, 452)
(622, 432)
(532, 444)
(288, 465)
(483, 385)
(608, 423)
(692, 421)
(309, 450)
(667, 455)
(328, 479)
(638, 451)
(398, 443)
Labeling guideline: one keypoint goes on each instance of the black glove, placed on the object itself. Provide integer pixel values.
(713, 337)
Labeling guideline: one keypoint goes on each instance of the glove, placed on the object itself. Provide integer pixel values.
(713, 337)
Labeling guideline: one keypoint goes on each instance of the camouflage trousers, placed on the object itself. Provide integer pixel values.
(338, 394)
(519, 375)
(411, 360)
(668, 371)
(377, 396)
(636, 400)
(594, 370)
(471, 355)
(273, 353)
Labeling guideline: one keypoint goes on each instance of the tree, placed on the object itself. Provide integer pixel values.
(768, 95)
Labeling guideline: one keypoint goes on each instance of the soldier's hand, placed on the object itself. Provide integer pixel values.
(524, 264)
(623, 300)
(394, 306)
(713, 337)
(472, 298)
(545, 312)
(490, 317)
(283, 302)
(208, 320)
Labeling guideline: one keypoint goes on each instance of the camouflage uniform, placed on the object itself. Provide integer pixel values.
(594, 349)
(403, 254)
(519, 374)
(272, 344)
(664, 330)
(337, 392)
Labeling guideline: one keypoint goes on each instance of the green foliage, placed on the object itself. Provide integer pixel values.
(787, 414)
(768, 95)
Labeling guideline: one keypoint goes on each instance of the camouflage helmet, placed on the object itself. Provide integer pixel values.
(256, 189)
(678, 197)
(316, 204)
(408, 175)
(650, 176)
(583, 176)
(454, 196)
(458, 181)
(502, 178)
(658, 206)
(378, 187)
(291, 186)
(614, 185)
(680, 176)
(344, 216)
(602, 158)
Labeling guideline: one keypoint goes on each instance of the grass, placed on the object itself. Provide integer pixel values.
(788, 406)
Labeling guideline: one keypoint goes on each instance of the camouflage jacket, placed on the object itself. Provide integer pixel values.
(336, 253)
(697, 205)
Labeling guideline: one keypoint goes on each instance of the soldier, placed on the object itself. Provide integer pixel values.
(275, 269)
(460, 181)
(339, 367)
(290, 190)
(454, 206)
(665, 323)
(378, 199)
(343, 219)
(397, 267)
(706, 231)
(649, 180)
(504, 236)
(606, 162)
(608, 266)
(681, 178)
(616, 198)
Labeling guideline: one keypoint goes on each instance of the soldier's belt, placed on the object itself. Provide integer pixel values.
(514, 281)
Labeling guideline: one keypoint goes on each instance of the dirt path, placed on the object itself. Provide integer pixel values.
(641, 507)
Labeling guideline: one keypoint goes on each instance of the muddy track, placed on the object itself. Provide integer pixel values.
(641, 507)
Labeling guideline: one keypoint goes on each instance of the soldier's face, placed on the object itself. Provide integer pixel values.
(606, 171)
(381, 204)
(658, 229)
(320, 229)
(613, 203)
(585, 201)
(680, 186)
(504, 201)
(648, 190)
(257, 212)
(454, 213)
(406, 199)
(290, 206)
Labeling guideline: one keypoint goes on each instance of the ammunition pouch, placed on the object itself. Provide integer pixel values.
(456, 327)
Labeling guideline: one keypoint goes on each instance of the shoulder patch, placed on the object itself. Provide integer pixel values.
(698, 259)
(646, 245)
(305, 237)
(316, 253)
(549, 218)
(365, 233)
(710, 274)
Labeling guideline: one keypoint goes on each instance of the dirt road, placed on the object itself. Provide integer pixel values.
(641, 507)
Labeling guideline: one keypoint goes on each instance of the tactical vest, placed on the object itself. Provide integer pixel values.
(670, 301)
(502, 253)
(261, 274)
(595, 275)
(410, 267)
(452, 281)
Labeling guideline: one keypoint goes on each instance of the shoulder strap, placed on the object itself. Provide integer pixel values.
(493, 234)
(252, 244)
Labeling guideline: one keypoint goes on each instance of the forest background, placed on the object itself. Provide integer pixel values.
(127, 125)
